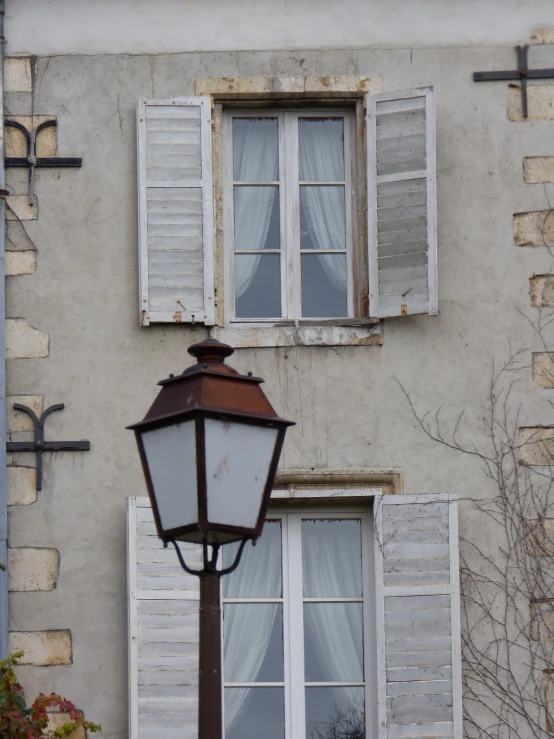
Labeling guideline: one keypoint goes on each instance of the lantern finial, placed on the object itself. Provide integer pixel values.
(210, 351)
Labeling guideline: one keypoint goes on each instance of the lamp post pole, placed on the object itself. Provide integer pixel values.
(210, 714)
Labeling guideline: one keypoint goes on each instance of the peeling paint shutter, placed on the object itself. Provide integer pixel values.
(176, 261)
(163, 633)
(402, 203)
(418, 616)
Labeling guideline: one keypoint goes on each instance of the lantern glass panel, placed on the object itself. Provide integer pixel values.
(171, 457)
(238, 458)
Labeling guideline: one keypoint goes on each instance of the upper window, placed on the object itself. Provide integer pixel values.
(289, 207)
(296, 630)
(320, 216)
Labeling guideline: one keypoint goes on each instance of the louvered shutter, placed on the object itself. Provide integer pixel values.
(402, 203)
(163, 633)
(176, 262)
(418, 616)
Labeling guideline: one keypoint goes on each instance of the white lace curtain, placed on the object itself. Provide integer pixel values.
(322, 159)
(255, 154)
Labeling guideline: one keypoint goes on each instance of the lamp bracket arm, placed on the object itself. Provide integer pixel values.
(236, 563)
(182, 560)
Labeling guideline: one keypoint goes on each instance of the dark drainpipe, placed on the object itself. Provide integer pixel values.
(4, 632)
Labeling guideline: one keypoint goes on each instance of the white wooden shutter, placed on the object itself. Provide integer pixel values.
(418, 616)
(402, 203)
(176, 261)
(163, 633)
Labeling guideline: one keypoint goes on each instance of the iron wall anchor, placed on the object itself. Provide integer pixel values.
(31, 160)
(38, 445)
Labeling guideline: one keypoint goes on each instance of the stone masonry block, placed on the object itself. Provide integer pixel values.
(542, 621)
(19, 208)
(543, 35)
(17, 421)
(541, 289)
(25, 342)
(534, 229)
(540, 537)
(20, 262)
(549, 699)
(538, 169)
(17, 74)
(540, 103)
(31, 569)
(322, 86)
(42, 648)
(57, 719)
(543, 369)
(536, 446)
(16, 143)
(22, 485)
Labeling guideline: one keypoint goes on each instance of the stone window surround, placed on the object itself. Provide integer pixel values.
(248, 90)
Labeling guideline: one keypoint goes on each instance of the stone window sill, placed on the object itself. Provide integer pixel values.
(350, 334)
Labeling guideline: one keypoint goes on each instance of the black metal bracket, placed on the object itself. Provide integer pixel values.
(31, 160)
(523, 73)
(209, 563)
(38, 445)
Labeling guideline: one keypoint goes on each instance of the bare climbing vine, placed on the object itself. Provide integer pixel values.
(506, 559)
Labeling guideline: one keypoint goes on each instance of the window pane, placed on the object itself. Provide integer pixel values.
(257, 286)
(335, 713)
(255, 149)
(321, 144)
(253, 642)
(256, 217)
(333, 645)
(322, 217)
(324, 285)
(259, 572)
(254, 713)
(332, 558)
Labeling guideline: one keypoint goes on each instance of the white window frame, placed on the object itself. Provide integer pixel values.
(293, 616)
(289, 211)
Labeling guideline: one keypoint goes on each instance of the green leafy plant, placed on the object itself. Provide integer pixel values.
(17, 721)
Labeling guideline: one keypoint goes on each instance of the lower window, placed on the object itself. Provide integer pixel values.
(298, 629)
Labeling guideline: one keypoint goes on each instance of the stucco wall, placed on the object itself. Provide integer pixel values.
(349, 407)
(164, 26)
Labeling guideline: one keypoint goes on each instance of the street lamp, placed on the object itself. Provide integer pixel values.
(209, 447)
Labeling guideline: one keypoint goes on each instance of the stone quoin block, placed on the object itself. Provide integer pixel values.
(31, 569)
(20, 262)
(541, 289)
(540, 103)
(542, 621)
(540, 537)
(57, 719)
(17, 74)
(43, 648)
(543, 35)
(19, 420)
(543, 369)
(16, 143)
(22, 485)
(23, 341)
(536, 446)
(538, 169)
(19, 208)
(534, 229)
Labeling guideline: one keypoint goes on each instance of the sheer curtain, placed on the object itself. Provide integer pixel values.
(255, 155)
(332, 569)
(247, 627)
(322, 158)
